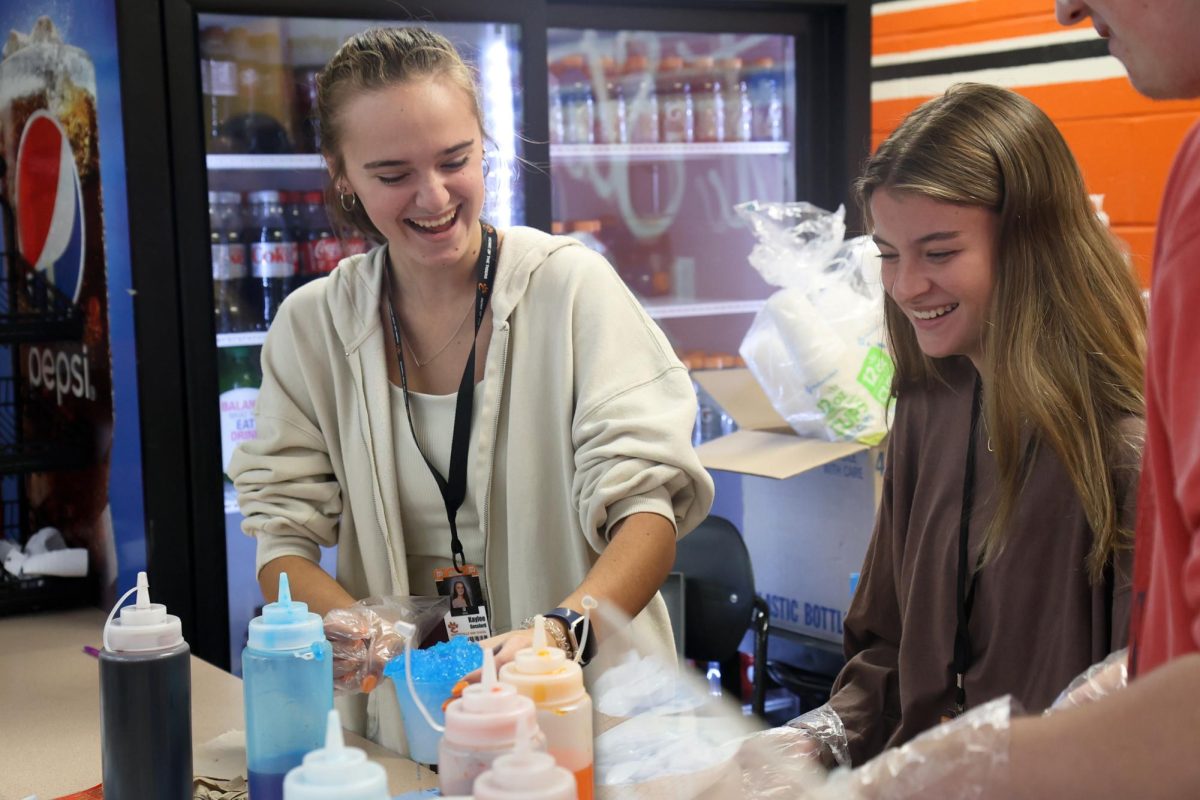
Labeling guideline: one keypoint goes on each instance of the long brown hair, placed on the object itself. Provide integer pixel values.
(1064, 345)
(374, 59)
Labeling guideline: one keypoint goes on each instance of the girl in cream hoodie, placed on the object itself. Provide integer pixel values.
(579, 470)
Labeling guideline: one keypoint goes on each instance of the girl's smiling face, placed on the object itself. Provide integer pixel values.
(939, 266)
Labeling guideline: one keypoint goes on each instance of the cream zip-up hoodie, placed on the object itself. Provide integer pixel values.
(586, 418)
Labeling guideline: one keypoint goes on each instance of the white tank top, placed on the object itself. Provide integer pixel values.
(422, 512)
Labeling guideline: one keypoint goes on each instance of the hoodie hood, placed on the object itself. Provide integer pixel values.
(355, 286)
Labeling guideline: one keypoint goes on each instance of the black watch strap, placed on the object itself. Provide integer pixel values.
(573, 621)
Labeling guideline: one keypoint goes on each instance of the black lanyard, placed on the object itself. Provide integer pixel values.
(454, 489)
(965, 596)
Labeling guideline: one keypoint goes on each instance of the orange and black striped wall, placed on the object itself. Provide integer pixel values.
(1124, 142)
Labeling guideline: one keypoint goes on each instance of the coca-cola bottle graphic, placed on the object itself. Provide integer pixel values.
(273, 256)
(320, 251)
(229, 269)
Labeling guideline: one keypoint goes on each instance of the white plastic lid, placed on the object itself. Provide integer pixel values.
(525, 775)
(336, 772)
(285, 624)
(143, 626)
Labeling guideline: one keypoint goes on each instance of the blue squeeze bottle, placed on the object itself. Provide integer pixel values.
(287, 674)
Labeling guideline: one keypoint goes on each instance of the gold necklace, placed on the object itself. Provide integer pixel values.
(441, 349)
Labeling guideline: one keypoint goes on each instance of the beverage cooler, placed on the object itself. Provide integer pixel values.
(637, 138)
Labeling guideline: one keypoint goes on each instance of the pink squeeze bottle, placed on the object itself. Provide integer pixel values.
(525, 774)
(481, 725)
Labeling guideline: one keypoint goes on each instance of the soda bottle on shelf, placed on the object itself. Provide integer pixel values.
(321, 251)
(738, 114)
(309, 54)
(765, 83)
(230, 313)
(641, 101)
(218, 81)
(275, 80)
(708, 101)
(557, 113)
(260, 123)
(273, 257)
(676, 110)
(611, 127)
(579, 107)
(353, 243)
(293, 215)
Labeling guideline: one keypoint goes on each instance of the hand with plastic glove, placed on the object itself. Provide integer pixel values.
(363, 643)
(1099, 680)
(364, 638)
(964, 759)
(824, 736)
(779, 763)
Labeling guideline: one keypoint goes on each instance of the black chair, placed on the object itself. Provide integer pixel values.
(719, 600)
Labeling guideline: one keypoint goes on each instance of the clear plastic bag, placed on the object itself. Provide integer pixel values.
(364, 638)
(817, 347)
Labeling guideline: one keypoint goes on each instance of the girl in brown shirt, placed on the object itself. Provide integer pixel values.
(1000, 559)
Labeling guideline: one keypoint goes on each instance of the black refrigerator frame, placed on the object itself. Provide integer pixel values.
(168, 217)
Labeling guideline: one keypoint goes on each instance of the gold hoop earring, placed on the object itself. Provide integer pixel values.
(342, 195)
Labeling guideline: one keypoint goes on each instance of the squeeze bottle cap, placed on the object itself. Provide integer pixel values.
(542, 657)
(489, 713)
(285, 624)
(525, 774)
(543, 671)
(336, 772)
(142, 627)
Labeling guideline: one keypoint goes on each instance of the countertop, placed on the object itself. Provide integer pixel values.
(50, 709)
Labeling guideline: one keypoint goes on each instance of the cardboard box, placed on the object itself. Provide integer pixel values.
(808, 506)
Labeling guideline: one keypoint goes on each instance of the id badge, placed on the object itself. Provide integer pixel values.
(468, 614)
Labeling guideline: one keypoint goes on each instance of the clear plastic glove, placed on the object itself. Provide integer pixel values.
(1099, 680)
(779, 763)
(364, 639)
(964, 759)
(826, 734)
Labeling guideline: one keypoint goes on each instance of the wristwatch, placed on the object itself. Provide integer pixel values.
(573, 621)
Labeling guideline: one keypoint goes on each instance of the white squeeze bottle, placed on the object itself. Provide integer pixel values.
(336, 772)
(564, 710)
(525, 774)
(480, 726)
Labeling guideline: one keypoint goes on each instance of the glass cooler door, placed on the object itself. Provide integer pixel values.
(654, 138)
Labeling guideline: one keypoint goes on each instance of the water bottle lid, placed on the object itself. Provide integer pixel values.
(336, 772)
(142, 627)
(285, 624)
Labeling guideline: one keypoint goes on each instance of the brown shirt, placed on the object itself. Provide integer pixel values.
(1037, 620)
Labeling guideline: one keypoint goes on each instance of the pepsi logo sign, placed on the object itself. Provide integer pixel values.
(50, 227)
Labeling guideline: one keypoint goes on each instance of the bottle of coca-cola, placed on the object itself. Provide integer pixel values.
(320, 250)
(229, 271)
(273, 255)
(293, 215)
(352, 241)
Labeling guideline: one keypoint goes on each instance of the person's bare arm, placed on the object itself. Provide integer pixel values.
(307, 582)
(631, 569)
